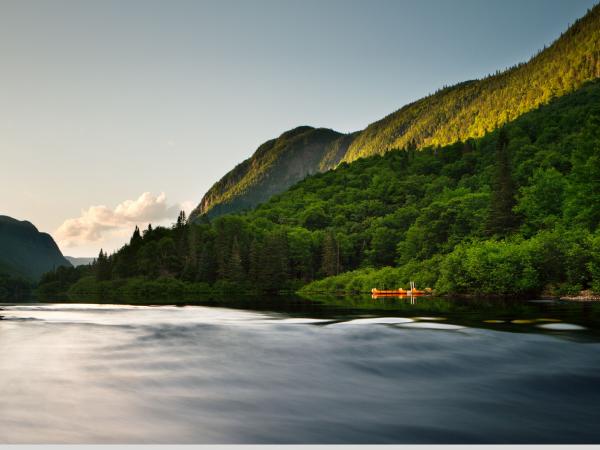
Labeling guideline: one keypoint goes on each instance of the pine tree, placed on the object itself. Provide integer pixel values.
(181, 220)
(136, 237)
(330, 258)
(207, 263)
(102, 267)
(190, 257)
(235, 271)
(254, 261)
(501, 217)
(274, 262)
(148, 231)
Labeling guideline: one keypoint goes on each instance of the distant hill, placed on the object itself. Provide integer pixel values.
(466, 110)
(275, 165)
(79, 261)
(25, 252)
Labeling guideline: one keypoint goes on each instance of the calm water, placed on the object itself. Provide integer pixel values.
(90, 373)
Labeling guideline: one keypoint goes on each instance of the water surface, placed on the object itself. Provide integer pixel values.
(101, 373)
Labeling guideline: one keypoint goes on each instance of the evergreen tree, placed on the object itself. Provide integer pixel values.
(102, 267)
(274, 262)
(330, 257)
(254, 261)
(136, 237)
(235, 270)
(190, 267)
(148, 231)
(502, 219)
(207, 263)
(181, 220)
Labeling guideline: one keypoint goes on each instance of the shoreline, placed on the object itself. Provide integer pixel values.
(583, 296)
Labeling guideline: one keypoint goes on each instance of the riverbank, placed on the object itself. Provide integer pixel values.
(583, 296)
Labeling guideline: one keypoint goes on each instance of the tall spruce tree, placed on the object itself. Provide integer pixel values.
(501, 219)
(136, 237)
(330, 258)
(102, 267)
(274, 262)
(254, 261)
(235, 270)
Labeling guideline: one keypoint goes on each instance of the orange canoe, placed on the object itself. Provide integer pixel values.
(400, 291)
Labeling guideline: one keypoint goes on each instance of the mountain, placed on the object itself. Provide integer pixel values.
(470, 109)
(78, 261)
(275, 165)
(25, 252)
(515, 212)
(466, 110)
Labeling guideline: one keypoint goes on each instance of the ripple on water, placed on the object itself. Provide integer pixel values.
(432, 326)
(561, 327)
(376, 320)
(430, 319)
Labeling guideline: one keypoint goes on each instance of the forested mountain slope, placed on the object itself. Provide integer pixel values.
(276, 165)
(516, 212)
(25, 252)
(463, 111)
(473, 108)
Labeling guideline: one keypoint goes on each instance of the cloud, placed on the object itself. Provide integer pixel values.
(188, 206)
(99, 222)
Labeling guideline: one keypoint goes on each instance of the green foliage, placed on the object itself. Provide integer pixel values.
(404, 216)
(14, 288)
(501, 219)
(541, 201)
(474, 108)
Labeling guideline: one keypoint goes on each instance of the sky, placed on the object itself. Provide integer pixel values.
(119, 113)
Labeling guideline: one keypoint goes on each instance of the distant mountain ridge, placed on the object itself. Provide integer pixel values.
(466, 110)
(79, 261)
(25, 252)
(275, 165)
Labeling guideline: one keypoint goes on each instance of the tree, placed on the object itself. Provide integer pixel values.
(330, 261)
(501, 218)
(167, 256)
(102, 267)
(274, 262)
(541, 203)
(148, 231)
(136, 237)
(254, 256)
(147, 260)
(181, 220)
(235, 271)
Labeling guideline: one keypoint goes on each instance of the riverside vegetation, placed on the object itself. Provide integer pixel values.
(515, 213)
(489, 187)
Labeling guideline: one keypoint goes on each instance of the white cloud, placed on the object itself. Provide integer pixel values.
(100, 222)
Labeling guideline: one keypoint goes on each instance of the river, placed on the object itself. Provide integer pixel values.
(300, 373)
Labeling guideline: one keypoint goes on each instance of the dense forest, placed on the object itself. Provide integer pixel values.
(14, 287)
(452, 114)
(516, 212)
(473, 108)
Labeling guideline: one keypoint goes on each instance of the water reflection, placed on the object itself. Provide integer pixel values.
(76, 373)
